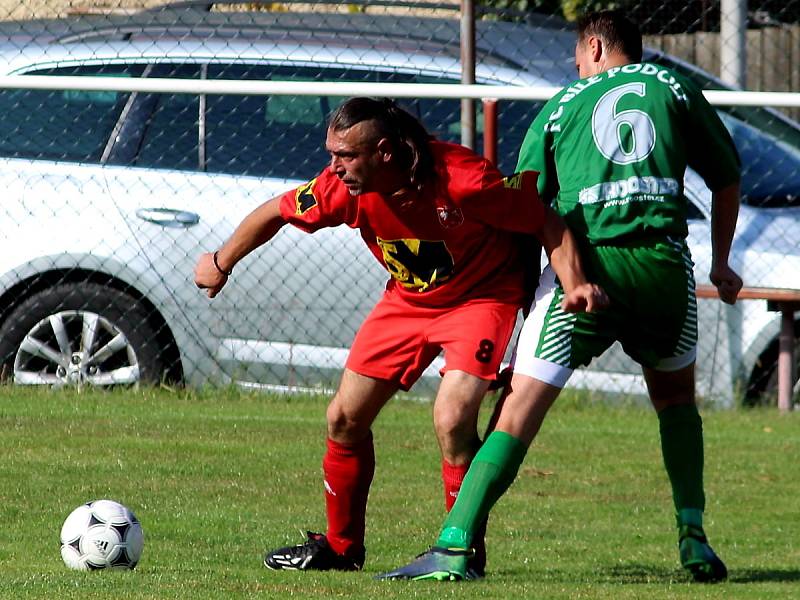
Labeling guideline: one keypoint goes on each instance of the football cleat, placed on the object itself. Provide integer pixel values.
(314, 554)
(698, 557)
(439, 564)
(476, 564)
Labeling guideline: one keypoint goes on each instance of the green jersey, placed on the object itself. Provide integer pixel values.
(612, 150)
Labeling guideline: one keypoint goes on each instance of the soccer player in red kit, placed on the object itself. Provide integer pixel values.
(446, 226)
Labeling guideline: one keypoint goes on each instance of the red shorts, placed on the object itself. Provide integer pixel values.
(398, 341)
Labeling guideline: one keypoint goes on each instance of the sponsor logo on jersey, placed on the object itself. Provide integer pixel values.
(652, 189)
(417, 264)
(513, 182)
(304, 197)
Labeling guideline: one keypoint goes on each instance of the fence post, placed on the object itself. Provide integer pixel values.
(786, 364)
(468, 71)
(733, 44)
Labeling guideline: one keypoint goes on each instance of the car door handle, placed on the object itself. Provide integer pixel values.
(168, 217)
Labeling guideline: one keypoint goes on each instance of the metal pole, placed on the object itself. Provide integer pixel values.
(468, 71)
(733, 42)
(786, 357)
(490, 129)
(344, 89)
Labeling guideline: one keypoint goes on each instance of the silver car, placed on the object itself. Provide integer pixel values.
(110, 198)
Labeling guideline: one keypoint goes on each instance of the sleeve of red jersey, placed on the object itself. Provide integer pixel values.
(507, 203)
(315, 204)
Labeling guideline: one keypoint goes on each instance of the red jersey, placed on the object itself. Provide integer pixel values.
(452, 241)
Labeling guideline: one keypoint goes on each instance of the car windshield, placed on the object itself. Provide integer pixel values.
(768, 145)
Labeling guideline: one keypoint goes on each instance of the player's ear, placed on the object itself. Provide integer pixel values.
(596, 47)
(385, 149)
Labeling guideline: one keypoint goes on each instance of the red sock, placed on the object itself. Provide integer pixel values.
(452, 477)
(348, 471)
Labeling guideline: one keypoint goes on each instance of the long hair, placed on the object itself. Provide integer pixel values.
(408, 136)
(618, 32)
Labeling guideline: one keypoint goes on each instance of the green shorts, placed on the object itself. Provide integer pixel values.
(652, 313)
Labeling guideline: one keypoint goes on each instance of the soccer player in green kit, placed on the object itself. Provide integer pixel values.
(612, 149)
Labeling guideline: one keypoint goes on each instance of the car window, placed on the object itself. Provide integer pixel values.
(69, 125)
(283, 136)
(770, 167)
(513, 119)
(275, 136)
(170, 129)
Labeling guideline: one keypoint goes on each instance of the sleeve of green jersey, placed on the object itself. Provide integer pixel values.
(535, 154)
(711, 151)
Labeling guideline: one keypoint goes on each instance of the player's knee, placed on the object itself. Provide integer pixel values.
(458, 439)
(669, 388)
(344, 426)
(453, 425)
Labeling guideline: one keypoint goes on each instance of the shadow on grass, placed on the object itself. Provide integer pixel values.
(618, 574)
(765, 575)
(639, 573)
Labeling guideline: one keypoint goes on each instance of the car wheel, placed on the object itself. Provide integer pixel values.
(79, 334)
(763, 387)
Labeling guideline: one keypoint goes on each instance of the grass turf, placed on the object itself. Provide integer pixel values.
(219, 476)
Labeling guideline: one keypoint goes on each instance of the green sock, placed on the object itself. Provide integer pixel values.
(682, 447)
(491, 473)
(690, 516)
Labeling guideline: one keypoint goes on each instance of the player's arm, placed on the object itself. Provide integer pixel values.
(535, 153)
(562, 252)
(557, 240)
(256, 229)
(713, 155)
(724, 214)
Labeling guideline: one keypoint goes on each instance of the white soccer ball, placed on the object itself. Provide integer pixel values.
(101, 534)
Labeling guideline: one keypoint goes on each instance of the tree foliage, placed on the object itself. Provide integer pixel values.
(659, 16)
(568, 9)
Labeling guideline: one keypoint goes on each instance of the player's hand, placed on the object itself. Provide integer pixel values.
(588, 297)
(727, 282)
(207, 276)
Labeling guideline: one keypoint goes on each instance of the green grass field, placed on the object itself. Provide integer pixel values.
(218, 477)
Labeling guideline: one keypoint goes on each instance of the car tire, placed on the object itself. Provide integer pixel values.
(42, 340)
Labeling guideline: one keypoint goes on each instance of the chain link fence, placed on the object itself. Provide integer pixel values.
(110, 197)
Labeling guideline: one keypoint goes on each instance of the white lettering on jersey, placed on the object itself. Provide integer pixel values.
(661, 74)
(647, 189)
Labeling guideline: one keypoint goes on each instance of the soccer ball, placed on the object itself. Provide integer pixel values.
(101, 534)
